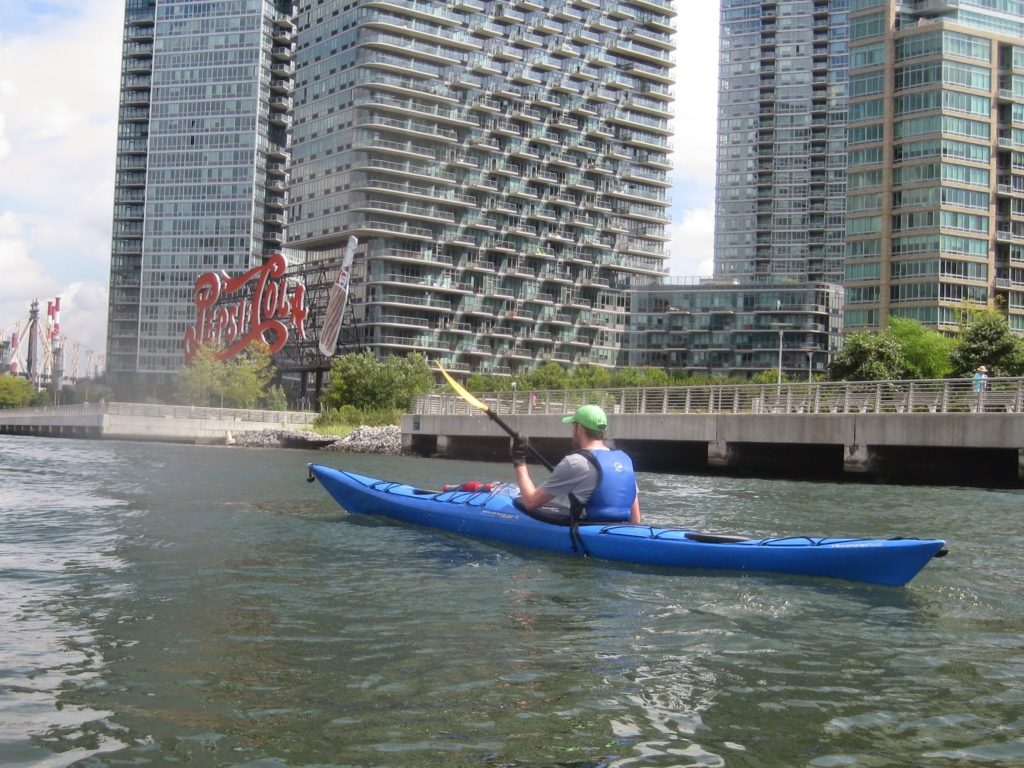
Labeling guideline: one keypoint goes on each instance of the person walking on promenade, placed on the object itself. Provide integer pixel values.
(599, 482)
(980, 376)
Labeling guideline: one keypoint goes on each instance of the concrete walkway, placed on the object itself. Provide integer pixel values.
(140, 421)
(944, 447)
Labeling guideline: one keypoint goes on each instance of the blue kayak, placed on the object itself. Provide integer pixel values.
(492, 515)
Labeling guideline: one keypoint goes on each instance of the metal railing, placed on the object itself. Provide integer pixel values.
(1000, 395)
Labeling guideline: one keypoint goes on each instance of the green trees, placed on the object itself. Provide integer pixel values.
(904, 350)
(986, 340)
(591, 377)
(925, 352)
(368, 384)
(199, 383)
(247, 377)
(15, 392)
(241, 382)
(548, 376)
(908, 350)
(869, 357)
(640, 377)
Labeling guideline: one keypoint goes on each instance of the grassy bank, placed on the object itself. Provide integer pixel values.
(341, 421)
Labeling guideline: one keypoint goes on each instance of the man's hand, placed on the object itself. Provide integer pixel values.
(518, 452)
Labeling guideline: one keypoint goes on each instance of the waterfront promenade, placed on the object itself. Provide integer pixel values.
(934, 429)
(142, 421)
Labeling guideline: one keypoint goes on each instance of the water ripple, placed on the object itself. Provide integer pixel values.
(177, 604)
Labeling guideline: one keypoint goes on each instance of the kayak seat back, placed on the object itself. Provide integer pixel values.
(714, 538)
(553, 514)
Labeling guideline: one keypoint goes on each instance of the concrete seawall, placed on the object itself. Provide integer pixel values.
(139, 421)
(961, 448)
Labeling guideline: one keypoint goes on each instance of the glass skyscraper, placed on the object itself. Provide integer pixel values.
(782, 102)
(935, 207)
(202, 164)
(775, 299)
(504, 165)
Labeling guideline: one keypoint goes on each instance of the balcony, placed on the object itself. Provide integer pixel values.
(541, 298)
(547, 27)
(399, 321)
(431, 303)
(562, 277)
(424, 256)
(518, 353)
(515, 270)
(505, 15)
(412, 127)
(423, 342)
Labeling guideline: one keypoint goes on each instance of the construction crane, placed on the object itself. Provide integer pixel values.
(36, 348)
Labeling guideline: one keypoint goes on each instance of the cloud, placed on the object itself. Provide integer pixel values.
(5, 145)
(83, 304)
(695, 127)
(83, 314)
(23, 278)
(57, 142)
(696, 106)
(691, 252)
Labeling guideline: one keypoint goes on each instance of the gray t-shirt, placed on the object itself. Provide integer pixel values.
(573, 474)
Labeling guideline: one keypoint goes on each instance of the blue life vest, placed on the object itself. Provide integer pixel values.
(616, 487)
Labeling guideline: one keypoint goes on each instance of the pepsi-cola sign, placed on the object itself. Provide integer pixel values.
(261, 313)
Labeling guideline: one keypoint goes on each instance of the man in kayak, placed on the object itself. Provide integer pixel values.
(598, 481)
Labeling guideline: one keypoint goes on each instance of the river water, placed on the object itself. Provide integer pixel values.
(180, 605)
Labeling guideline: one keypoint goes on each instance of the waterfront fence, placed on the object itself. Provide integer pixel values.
(999, 395)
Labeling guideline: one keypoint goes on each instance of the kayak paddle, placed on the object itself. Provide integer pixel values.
(462, 392)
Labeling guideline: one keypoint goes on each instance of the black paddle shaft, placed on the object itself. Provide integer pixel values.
(516, 436)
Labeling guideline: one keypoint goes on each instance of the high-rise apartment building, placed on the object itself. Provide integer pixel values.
(503, 163)
(774, 301)
(935, 206)
(202, 164)
(780, 190)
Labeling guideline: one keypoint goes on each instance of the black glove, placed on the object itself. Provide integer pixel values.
(518, 452)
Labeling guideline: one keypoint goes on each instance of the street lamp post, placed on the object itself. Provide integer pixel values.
(810, 359)
(781, 328)
(778, 380)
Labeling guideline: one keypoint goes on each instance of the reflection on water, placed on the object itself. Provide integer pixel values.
(173, 604)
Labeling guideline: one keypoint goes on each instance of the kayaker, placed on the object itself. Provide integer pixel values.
(599, 480)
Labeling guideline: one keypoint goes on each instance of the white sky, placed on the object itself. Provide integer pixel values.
(59, 73)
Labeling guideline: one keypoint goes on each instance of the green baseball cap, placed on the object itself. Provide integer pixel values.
(589, 417)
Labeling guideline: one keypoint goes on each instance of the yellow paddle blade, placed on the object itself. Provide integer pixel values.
(461, 391)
